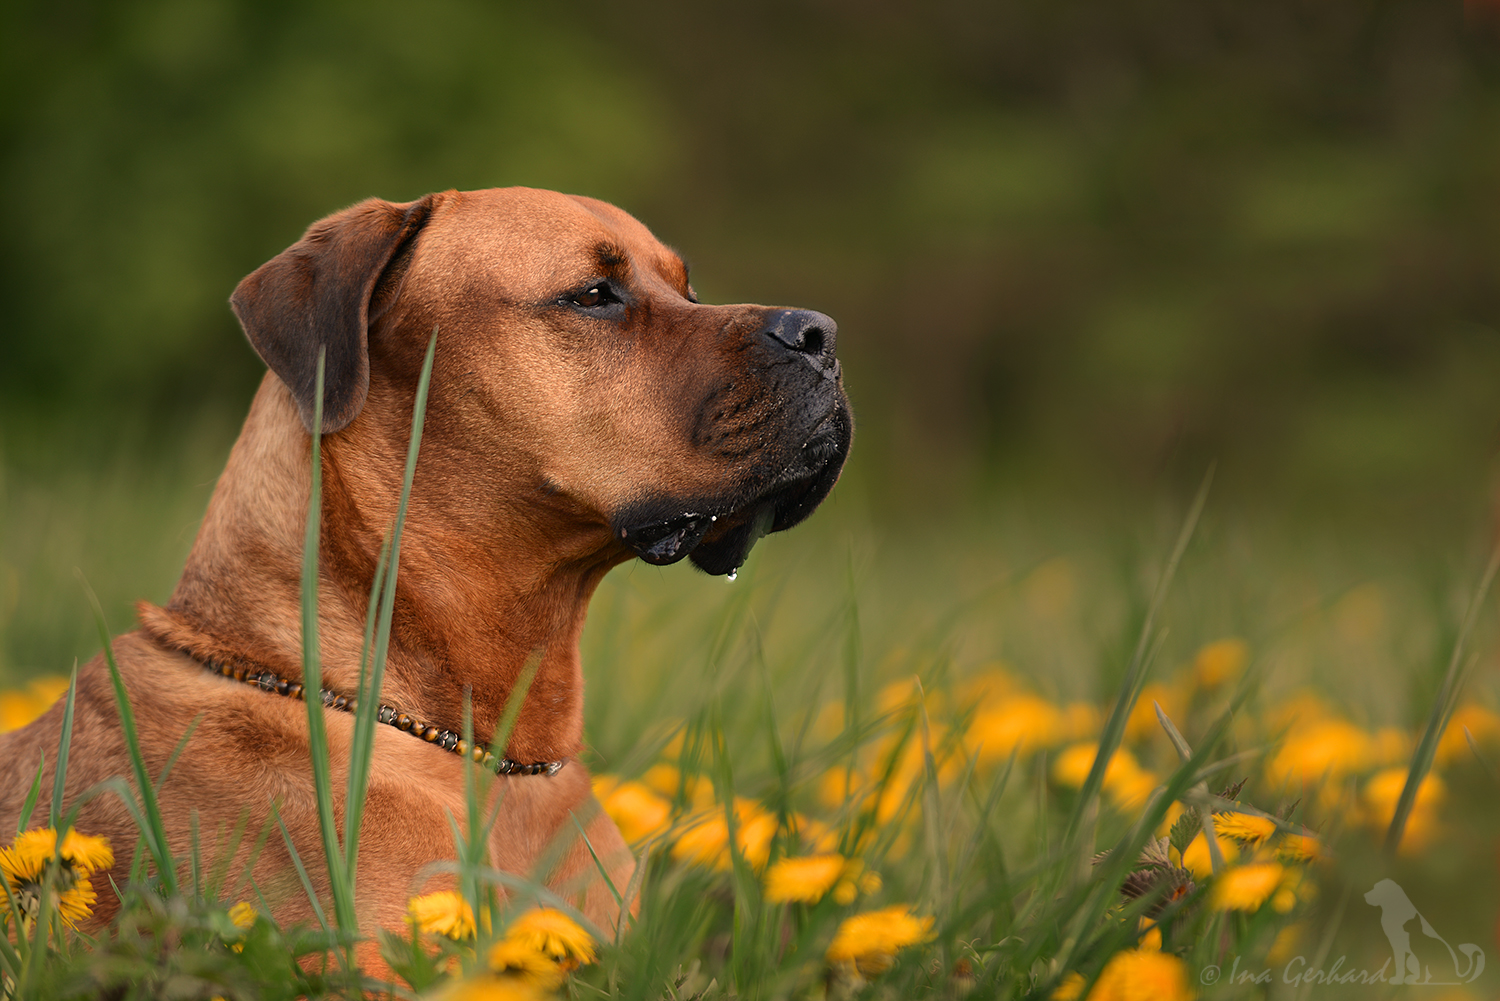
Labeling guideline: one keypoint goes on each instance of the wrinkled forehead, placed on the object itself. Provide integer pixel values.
(536, 244)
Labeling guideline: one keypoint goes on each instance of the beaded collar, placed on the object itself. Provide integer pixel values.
(446, 739)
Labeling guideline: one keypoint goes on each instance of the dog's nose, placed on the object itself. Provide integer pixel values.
(804, 331)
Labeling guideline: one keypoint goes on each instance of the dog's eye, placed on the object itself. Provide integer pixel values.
(595, 295)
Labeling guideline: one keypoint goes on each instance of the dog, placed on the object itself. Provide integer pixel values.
(585, 409)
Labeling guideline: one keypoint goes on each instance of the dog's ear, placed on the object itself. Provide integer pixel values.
(317, 294)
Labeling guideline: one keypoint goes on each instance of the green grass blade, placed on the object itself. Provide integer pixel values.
(312, 680)
(195, 857)
(365, 722)
(1442, 710)
(1130, 686)
(471, 841)
(366, 712)
(603, 873)
(224, 855)
(12, 955)
(187, 735)
(31, 797)
(153, 831)
(307, 887)
(513, 701)
(59, 777)
(633, 888)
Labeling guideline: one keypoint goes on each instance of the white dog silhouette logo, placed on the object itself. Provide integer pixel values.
(1396, 909)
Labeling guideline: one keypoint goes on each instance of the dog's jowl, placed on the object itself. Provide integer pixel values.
(584, 409)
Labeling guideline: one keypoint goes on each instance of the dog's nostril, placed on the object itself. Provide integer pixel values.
(802, 331)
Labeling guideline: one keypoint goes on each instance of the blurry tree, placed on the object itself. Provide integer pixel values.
(1133, 234)
(1090, 244)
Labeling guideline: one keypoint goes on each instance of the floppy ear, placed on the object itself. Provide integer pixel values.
(316, 294)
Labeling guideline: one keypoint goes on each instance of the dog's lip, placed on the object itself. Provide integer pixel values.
(668, 540)
(719, 534)
(790, 498)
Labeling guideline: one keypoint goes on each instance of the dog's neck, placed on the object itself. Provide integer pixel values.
(483, 587)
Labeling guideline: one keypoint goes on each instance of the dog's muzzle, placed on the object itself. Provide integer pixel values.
(718, 534)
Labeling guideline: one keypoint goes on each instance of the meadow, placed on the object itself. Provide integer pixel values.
(1078, 254)
(867, 768)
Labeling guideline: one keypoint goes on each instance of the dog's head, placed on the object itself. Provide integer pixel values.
(576, 372)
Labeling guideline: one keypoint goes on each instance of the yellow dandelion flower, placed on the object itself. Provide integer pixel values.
(707, 842)
(813, 835)
(1174, 810)
(838, 786)
(1125, 781)
(1019, 722)
(756, 829)
(1070, 988)
(1301, 709)
(1150, 935)
(1482, 723)
(1283, 900)
(1196, 857)
(638, 812)
(1220, 662)
(805, 880)
(855, 882)
(494, 988)
(1142, 723)
(1383, 792)
(25, 863)
(242, 915)
(20, 708)
(552, 933)
(1138, 975)
(869, 942)
(1244, 827)
(1130, 787)
(17, 709)
(903, 693)
(77, 903)
(441, 913)
(669, 781)
(87, 853)
(1325, 748)
(1246, 887)
(1286, 944)
(28, 855)
(1071, 767)
(519, 959)
(1299, 848)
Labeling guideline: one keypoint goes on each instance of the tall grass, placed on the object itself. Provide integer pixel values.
(803, 714)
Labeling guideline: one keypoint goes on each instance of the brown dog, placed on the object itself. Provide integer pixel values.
(584, 409)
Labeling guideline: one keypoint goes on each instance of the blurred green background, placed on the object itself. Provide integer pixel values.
(1077, 251)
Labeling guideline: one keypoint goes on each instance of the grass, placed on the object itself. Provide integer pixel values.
(926, 709)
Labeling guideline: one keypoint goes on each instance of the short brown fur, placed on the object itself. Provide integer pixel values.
(545, 421)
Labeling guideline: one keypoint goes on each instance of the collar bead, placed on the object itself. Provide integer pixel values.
(446, 739)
